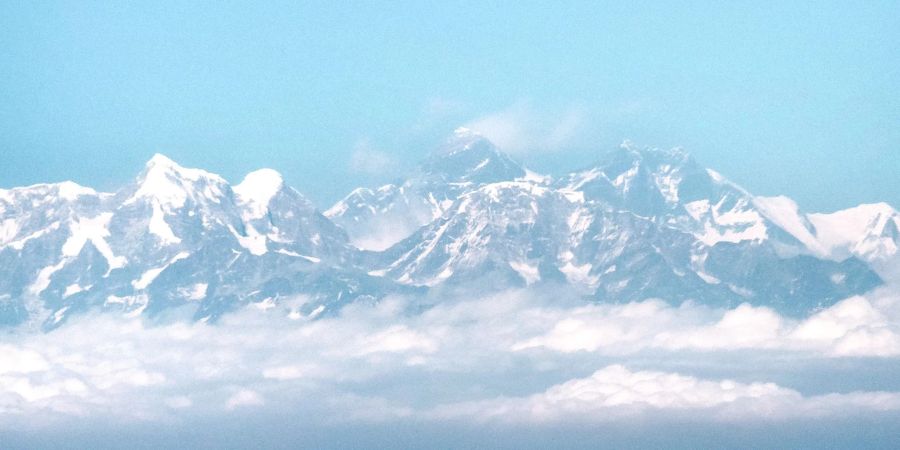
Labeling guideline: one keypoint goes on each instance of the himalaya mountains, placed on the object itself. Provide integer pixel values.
(641, 223)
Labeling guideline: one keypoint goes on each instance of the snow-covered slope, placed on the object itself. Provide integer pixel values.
(870, 232)
(175, 239)
(375, 219)
(43, 228)
(639, 223)
(506, 229)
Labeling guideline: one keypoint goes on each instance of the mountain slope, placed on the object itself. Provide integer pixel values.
(640, 223)
(175, 239)
(377, 219)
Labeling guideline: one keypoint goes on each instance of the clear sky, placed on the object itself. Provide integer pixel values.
(795, 99)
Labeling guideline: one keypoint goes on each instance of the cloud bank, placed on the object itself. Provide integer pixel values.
(134, 370)
(615, 392)
(515, 357)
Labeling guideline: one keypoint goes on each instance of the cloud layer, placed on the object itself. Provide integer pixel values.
(514, 357)
(615, 392)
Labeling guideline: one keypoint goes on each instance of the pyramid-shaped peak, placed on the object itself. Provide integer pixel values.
(463, 140)
(463, 133)
(161, 166)
(171, 184)
(468, 156)
(160, 160)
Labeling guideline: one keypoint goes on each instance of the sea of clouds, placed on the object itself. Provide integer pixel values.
(516, 359)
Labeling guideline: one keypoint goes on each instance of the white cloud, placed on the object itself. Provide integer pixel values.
(289, 372)
(852, 327)
(244, 397)
(384, 231)
(367, 159)
(20, 360)
(519, 129)
(515, 355)
(397, 339)
(743, 327)
(615, 391)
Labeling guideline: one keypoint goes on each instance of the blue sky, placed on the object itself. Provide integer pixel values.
(798, 99)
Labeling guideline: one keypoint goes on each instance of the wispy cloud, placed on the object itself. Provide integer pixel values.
(367, 159)
(521, 129)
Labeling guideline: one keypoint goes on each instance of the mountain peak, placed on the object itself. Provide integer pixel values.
(171, 184)
(462, 140)
(161, 163)
(65, 190)
(628, 144)
(258, 189)
(70, 190)
(672, 155)
(263, 177)
(463, 135)
(160, 160)
(630, 160)
(469, 156)
(874, 209)
(463, 131)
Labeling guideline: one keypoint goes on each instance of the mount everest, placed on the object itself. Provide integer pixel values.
(640, 223)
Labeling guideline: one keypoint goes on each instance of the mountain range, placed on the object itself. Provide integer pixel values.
(639, 223)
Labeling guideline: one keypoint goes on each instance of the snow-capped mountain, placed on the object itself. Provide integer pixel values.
(508, 229)
(672, 187)
(176, 238)
(378, 218)
(870, 232)
(639, 223)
